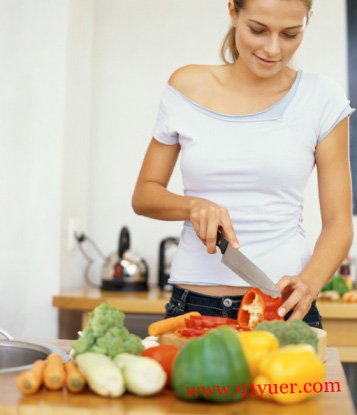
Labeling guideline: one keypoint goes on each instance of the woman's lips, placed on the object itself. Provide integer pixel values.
(265, 62)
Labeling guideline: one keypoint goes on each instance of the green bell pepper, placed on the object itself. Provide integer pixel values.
(337, 283)
(212, 368)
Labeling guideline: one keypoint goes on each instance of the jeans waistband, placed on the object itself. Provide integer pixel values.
(193, 297)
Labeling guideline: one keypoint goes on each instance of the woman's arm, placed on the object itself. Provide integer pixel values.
(151, 198)
(335, 195)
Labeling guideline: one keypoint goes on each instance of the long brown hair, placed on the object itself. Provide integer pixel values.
(229, 42)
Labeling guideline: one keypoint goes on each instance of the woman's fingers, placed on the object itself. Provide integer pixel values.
(228, 229)
(212, 227)
(296, 295)
(203, 215)
(206, 217)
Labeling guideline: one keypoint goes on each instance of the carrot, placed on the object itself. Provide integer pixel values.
(54, 375)
(30, 381)
(169, 324)
(75, 381)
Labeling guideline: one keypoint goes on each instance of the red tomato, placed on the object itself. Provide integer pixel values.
(164, 354)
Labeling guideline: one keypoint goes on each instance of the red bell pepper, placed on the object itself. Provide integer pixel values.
(256, 307)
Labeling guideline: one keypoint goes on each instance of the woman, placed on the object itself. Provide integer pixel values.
(250, 133)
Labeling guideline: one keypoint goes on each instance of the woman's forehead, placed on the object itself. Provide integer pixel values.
(288, 13)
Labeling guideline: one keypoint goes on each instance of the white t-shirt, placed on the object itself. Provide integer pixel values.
(254, 165)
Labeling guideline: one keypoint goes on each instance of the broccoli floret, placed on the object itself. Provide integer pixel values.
(84, 342)
(290, 332)
(109, 345)
(103, 317)
(133, 344)
(106, 334)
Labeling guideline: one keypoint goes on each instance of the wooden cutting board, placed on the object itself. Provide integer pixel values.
(179, 342)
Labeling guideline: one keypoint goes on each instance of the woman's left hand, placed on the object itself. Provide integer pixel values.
(297, 296)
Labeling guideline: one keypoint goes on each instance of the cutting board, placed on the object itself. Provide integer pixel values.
(180, 342)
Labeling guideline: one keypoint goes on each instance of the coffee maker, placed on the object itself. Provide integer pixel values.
(167, 250)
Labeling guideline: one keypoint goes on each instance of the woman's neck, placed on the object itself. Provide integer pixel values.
(241, 77)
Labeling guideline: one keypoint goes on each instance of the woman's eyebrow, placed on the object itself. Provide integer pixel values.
(286, 28)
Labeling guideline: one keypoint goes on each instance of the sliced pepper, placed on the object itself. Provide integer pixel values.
(190, 332)
(208, 322)
(256, 307)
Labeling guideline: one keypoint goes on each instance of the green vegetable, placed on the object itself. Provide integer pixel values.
(290, 332)
(104, 317)
(143, 376)
(102, 374)
(337, 283)
(106, 334)
(214, 361)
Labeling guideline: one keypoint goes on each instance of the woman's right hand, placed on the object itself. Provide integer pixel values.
(206, 217)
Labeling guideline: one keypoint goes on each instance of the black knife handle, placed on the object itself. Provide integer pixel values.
(221, 241)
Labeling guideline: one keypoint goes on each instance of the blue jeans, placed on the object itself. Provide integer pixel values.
(182, 301)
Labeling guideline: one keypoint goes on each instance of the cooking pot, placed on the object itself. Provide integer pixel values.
(16, 356)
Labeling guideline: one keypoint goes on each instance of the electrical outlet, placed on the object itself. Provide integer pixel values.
(74, 228)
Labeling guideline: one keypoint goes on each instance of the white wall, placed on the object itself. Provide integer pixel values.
(32, 83)
(77, 133)
(137, 45)
(80, 87)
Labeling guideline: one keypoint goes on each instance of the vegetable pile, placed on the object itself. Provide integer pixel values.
(105, 356)
(216, 353)
(106, 334)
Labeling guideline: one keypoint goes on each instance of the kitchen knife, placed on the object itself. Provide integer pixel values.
(245, 268)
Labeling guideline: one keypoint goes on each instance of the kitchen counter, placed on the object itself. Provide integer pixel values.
(62, 403)
(339, 318)
(141, 302)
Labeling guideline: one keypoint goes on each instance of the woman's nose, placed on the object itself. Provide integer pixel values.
(272, 47)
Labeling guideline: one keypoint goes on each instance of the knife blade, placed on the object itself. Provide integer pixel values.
(245, 268)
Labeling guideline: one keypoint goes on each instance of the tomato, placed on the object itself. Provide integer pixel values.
(164, 354)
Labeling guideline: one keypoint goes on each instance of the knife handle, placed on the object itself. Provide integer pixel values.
(221, 241)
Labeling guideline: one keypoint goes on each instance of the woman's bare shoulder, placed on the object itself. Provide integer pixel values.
(190, 79)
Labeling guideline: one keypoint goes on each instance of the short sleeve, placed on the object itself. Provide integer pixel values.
(163, 130)
(333, 107)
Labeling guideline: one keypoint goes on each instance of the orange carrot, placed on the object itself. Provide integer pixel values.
(30, 382)
(75, 381)
(169, 324)
(54, 375)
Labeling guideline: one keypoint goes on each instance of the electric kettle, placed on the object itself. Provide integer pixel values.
(123, 270)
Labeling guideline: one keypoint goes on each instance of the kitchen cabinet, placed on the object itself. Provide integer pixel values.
(63, 403)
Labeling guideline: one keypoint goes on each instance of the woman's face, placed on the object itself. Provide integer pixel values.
(268, 32)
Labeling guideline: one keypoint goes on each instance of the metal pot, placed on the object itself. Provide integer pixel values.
(18, 355)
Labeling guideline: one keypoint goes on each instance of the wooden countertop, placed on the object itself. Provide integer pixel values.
(140, 302)
(63, 403)
(154, 300)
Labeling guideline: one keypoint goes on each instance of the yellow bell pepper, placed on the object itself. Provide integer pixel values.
(288, 374)
(256, 344)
